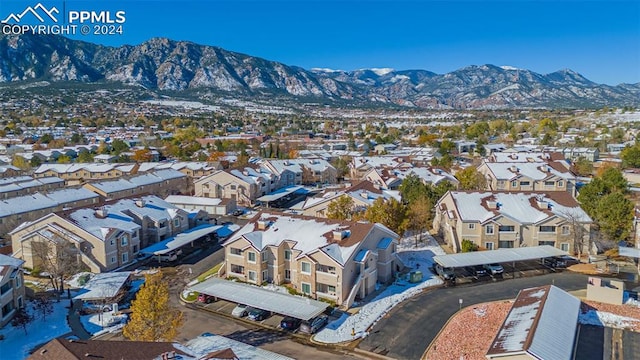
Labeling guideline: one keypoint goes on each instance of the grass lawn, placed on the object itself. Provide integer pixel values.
(207, 274)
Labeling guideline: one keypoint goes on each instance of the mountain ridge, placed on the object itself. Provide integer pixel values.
(169, 65)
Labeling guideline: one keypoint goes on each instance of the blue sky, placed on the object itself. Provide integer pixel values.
(599, 39)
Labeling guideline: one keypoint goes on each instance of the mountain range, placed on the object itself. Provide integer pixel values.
(166, 65)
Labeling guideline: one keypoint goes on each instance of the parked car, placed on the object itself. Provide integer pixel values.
(554, 262)
(206, 299)
(476, 270)
(445, 273)
(290, 323)
(312, 326)
(569, 260)
(494, 269)
(258, 314)
(240, 310)
(237, 212)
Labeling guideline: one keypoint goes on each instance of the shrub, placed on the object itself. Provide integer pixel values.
(468, 246)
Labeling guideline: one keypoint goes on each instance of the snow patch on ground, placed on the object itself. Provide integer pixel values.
(348, 328)
(600, 318)
(95, 324)
(16, 345)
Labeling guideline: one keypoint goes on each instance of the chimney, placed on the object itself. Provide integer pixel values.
(263, 224)
(340, 234)
(514, 168)
(542, 203)
(492, 204)
(102, 212)
(140, 203)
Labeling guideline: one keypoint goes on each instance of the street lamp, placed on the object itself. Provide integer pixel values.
(460, 302)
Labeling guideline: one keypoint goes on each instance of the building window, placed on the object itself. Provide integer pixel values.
(488, 245)
(306, 267)
(233, 187)
(287, 274)
(550, 243)
(565, 229)
(113, 259)
(176, 223)
(287, 255)
(235, 251)
(237, 269)
(506, 228)
(488, 229)
(331, 289)
(560, 184)
(564, 247)
(18, 282)
(549, 183)
(252, 275)
(505, 244)
(123, 241)
(525, 183)
(6, 287)
(264, 256)
(472, 226)
(306, 289)
(514, 184)
(251, 256)
(125, 257)
(112, 242)
(547, 229)
(265, 275)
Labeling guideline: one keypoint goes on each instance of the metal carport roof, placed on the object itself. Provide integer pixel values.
(280, 193)
(497, 256)
(629, 251)
(181, 239)
(285, 304)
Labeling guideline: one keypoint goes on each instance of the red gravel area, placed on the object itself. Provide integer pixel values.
(631, 311)
(470, 332)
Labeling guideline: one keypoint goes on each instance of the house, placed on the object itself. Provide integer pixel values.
(65, 349)
(160, 182)
(320, 258)
(496, 220)
(243, 186)
(301, 171)
(9, 171)
(527, 176)
(591, 154)
(106, 237)
(542, 324)
(24, 185)
(12, 291)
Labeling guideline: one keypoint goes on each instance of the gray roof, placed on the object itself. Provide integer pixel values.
(629, 251)
(542, 322)
(498, 256)
(257, 297)
(103, 286)
(6, 260)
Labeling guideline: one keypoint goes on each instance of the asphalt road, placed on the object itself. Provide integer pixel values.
(407, 331)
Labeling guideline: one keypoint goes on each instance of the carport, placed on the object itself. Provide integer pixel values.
(280, 193)
(180, 240)
(256, 297)
(630, 252)
(498, 256)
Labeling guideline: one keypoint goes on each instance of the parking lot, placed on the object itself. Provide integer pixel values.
(519, 269)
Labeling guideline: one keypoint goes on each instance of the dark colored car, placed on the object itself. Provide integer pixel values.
(206, 299)
(313, 325)
(555, 262)
(238, 212)
(290, 323)
(476, 270)
(445, 273)
(258, 314)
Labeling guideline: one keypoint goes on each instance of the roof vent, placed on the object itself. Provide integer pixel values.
(340, 235)
(492, 204)
(263, 224)
(542, 203)
(102, 212)
(140, 203)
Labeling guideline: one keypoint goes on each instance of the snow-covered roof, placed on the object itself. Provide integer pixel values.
(308, 234)
(99, 226)
(532, 170)
(103, 286)
(27, 203)
(542, 322)
(64, 196)
(192, 200)
(257, 297)
(206, 344)
(181, 239)
(522, 207)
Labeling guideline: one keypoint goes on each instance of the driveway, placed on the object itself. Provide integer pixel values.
(407, 331)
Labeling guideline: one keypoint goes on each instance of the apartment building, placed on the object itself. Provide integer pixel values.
(12, 292)
(495, 220)
(528, 176)
(335, 260)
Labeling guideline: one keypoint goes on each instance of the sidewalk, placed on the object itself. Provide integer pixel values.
(74, 320)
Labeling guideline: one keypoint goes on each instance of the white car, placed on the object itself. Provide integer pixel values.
(494, 269)
(240, 310)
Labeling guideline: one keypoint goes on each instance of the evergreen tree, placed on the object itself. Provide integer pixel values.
(152, 318)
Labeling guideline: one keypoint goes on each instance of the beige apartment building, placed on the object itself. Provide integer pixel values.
(528, 176)
(495, 220)
(12, 292)
(335, 260)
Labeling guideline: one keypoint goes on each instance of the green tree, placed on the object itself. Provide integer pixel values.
(630, 156)
(85, 157)
(615, 216)
(468, 246)
(46, 138)
(582, 167)
(471, 179)
(118, 146)
(412, 188)
(35, 162)
(20, 162)
(390, 213)
(341, 208)
(153, 318)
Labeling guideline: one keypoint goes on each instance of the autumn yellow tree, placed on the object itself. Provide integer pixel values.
(341, 208)
(153, 318)
(142, 155)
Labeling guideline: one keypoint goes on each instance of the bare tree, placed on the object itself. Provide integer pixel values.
(44, 306)
(58, 257)
(21, 319)
(580, 234)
